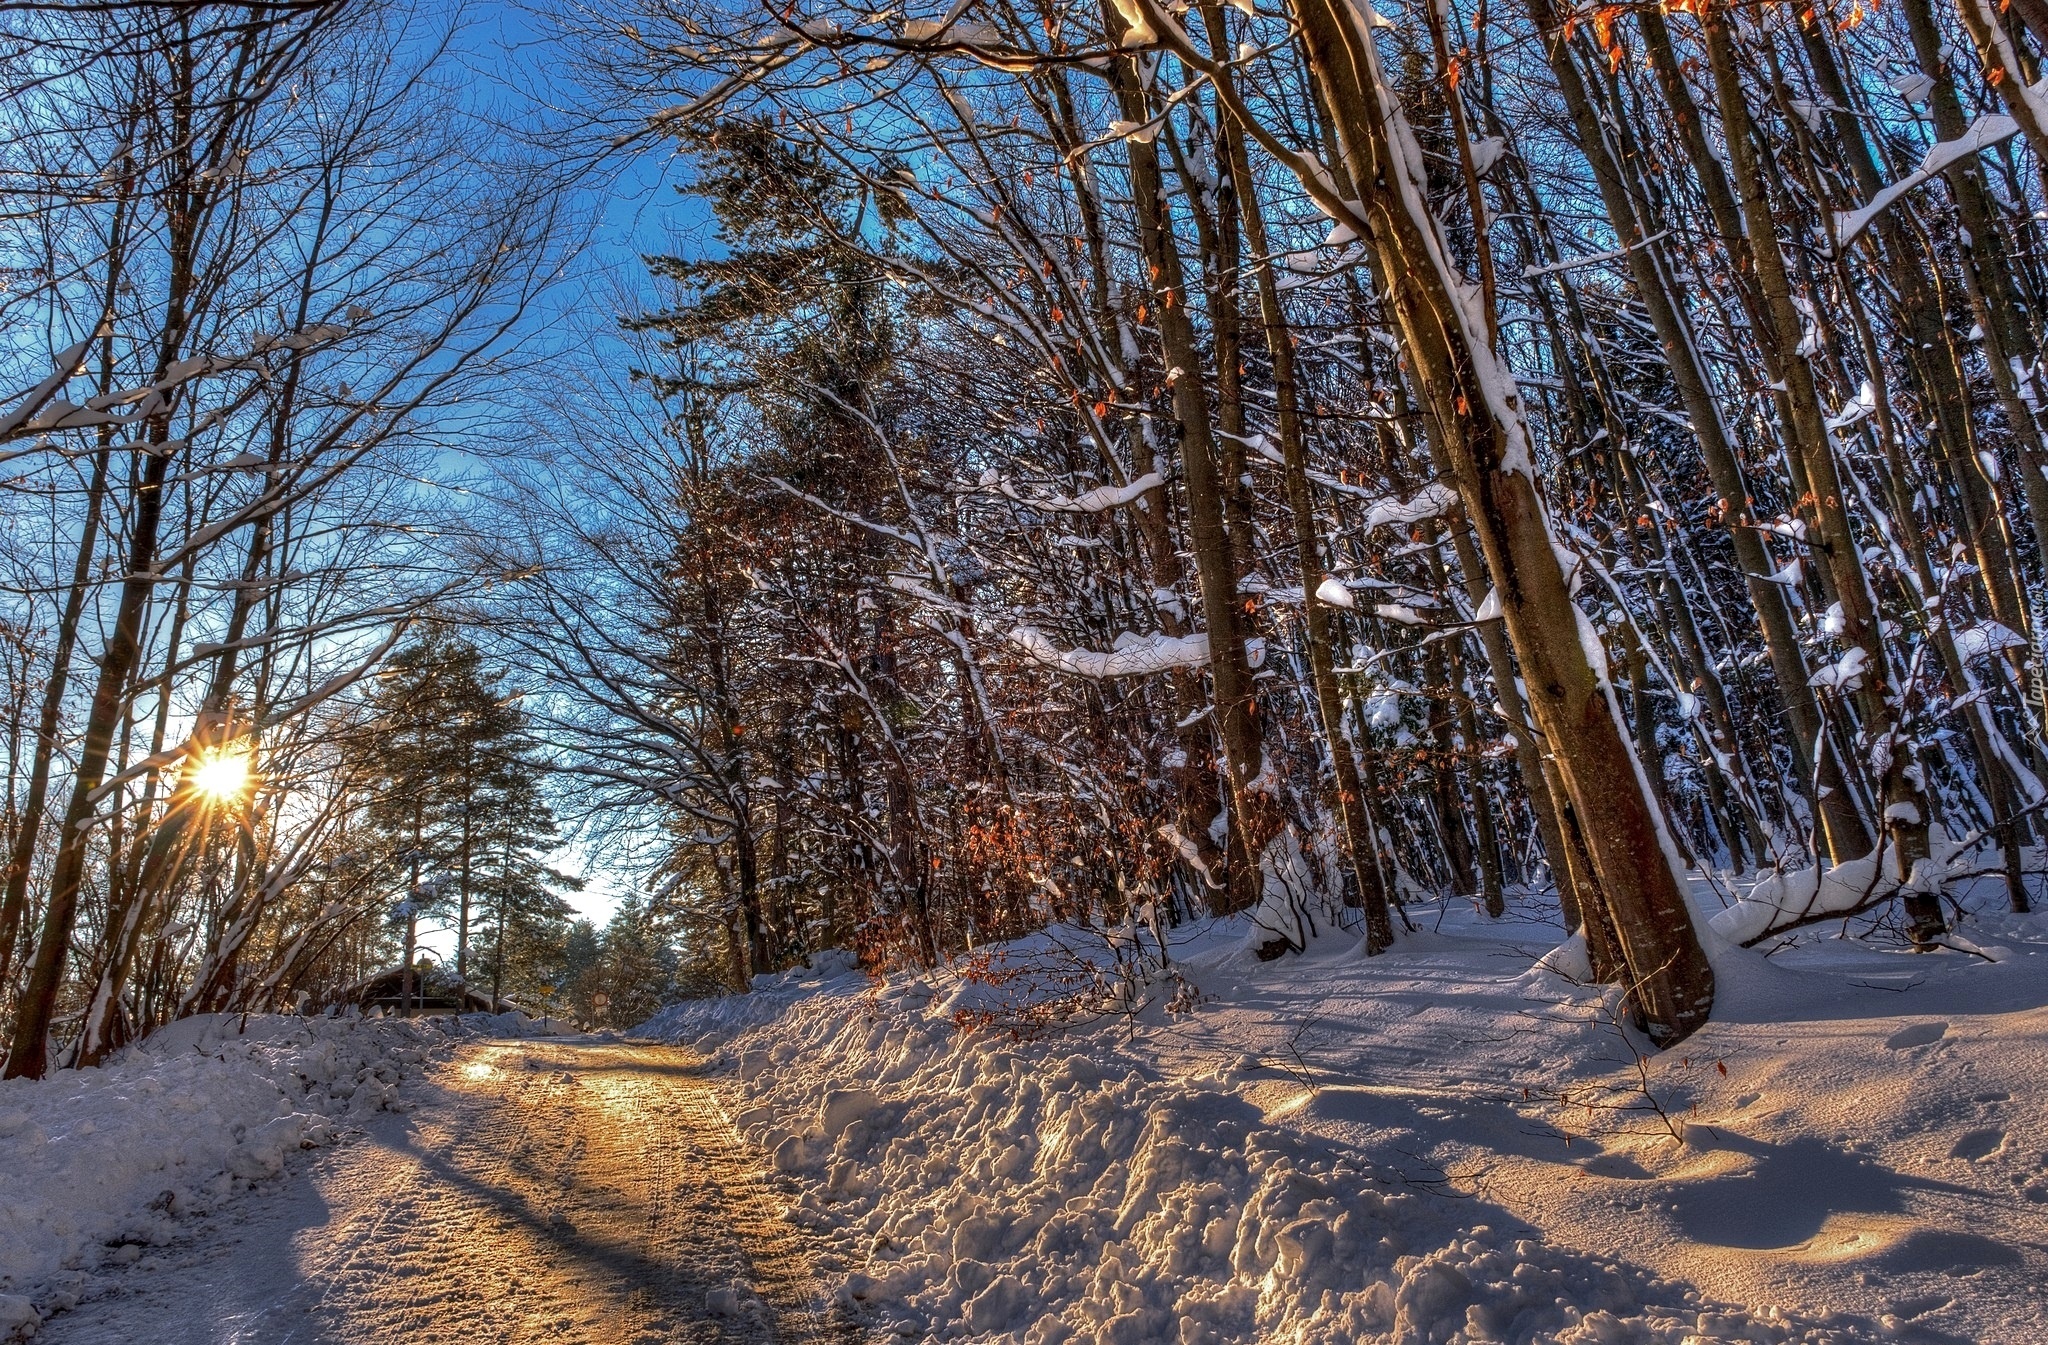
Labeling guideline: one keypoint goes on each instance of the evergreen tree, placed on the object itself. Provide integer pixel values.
(620, 975)
(458, 811)
(512, 829)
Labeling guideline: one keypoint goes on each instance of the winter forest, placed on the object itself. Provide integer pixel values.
(990, 493)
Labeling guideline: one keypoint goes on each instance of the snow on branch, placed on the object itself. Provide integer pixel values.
(1988, 130)
(1087, 502)
(42, 411)
(1132, 655)
(1788, 900)
(35, 398)
(1591, 259)
(1981, 641)
(1429, 502)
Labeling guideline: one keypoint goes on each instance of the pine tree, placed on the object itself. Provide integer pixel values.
(458, 808)
(512, 829)
(620, 975)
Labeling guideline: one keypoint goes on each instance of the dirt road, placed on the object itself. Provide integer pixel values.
(566, 1191)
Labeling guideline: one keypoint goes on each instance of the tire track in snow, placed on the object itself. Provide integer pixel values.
(554, 1191)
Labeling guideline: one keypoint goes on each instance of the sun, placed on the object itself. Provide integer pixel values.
(220, 774)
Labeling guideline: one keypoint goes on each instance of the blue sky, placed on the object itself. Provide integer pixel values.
(531, 81)
(526, 70)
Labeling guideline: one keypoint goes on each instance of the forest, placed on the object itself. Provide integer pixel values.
(1097, 466)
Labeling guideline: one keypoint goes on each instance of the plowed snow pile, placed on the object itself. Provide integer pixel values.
(99, 1163)
(1330, 1148)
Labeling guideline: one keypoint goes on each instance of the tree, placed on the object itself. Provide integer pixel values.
(513, 829)
(618, 976)
(455, 808)
(1631, 477)
(252, 253)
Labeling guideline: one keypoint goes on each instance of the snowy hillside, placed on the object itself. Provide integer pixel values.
(1436, 1144)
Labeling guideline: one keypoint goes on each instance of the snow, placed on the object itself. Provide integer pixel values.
(1782, 900)
(1999, 57)
(1855, 411)
(1087, 502)
(579, 1190)
(201, 1110)
(1108, 497)
(1988, 130)
(1914, 86)
(1140, 32)
(1131, 654)
(1595, 650)
(1140, 655)
(318, 334)
(1975, 642)
(1063, 1140)
(1845, 674)
(1332, 592)
(1292, 908)
(1791, 577)
(1263, 445)
(1058, 1141)
(1486, 153)
(1428, 502)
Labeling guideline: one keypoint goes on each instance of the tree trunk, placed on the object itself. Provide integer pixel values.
(1880, 703)
(1255, 811)
(1847, 834)
(1351, 804)
(1476, 409)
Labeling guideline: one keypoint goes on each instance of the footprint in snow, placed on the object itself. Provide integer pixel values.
(1919, 1034)
(1978, 1145)
(1920, 1305)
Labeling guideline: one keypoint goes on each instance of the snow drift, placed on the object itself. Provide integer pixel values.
(100, 1162)
(982, 1187)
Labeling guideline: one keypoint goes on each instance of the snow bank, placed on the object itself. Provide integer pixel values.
(979, 1187)
(513, 1023)
(98, 1160)
(709, 1023)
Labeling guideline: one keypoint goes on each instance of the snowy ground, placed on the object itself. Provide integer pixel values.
(103, 1164)
(1436, 1145)
(577, 1192)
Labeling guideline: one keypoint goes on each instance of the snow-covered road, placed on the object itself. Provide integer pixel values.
(543, 1190)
